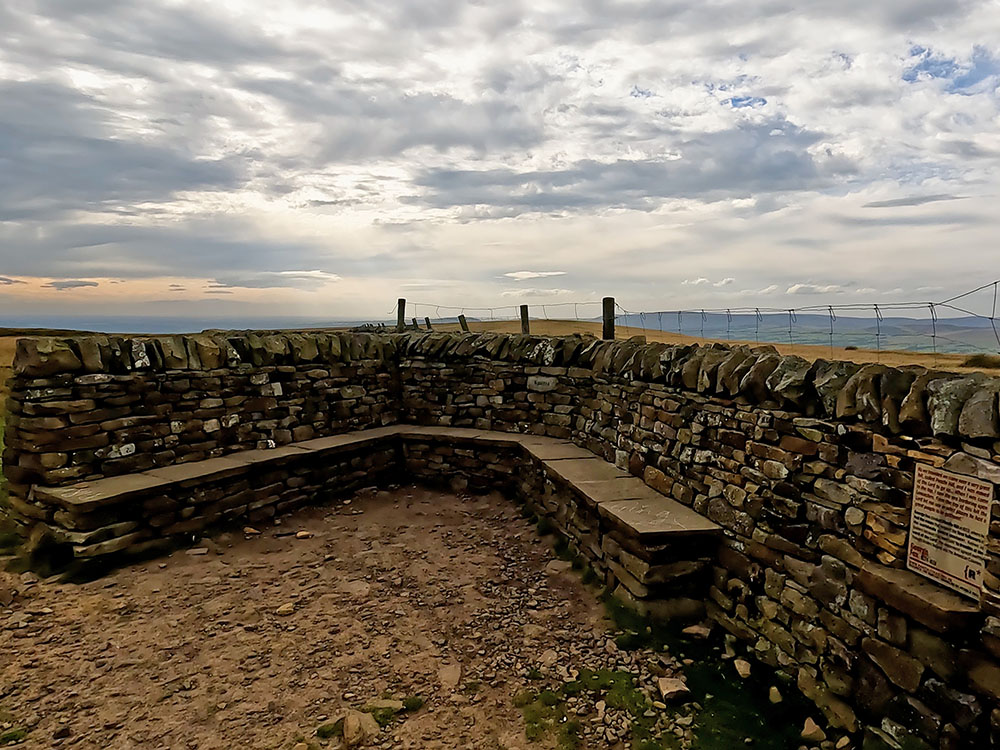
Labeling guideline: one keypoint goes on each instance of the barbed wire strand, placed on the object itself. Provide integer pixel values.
(794, 329)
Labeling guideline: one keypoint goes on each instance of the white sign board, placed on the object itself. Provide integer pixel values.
(949, 526)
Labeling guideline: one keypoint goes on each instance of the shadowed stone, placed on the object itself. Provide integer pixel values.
(710, 364)
(45, 356)
(726, 378)
(860, 395)
(790, 379)
(754, 383)
(913, 416)
(830, 379)
(894, 385)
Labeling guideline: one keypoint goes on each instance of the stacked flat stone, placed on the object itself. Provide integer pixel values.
(808, 466)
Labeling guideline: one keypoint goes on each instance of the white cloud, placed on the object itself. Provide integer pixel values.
(525, 275)
(814, 289)
(702, 281)
(535, 293)
(231, 141)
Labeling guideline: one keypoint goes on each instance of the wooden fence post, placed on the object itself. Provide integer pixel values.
(525, 328)
(401, 315)
(464, 323)
(609, 319)
(416, 327)
(427, 321)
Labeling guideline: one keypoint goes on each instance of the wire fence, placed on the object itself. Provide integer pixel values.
(964, 323)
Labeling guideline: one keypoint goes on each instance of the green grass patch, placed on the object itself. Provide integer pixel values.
(13, 736)
(991, 361)
(733, 709)
(413, 703)
(544, 527)
(544, 711)
(328, 731)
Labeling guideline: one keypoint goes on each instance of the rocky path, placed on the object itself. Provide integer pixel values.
(404, 619)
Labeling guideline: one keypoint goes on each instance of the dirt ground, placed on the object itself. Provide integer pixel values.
(259, 640)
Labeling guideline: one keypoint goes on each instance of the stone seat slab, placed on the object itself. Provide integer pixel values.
(556, 450)
(464, 435)
(610, 490)
(279, 455)
(221, 467)
(931, 605)
(620, 497)
(84, 497)
(657, 517)
(576, 470)
(343, 441)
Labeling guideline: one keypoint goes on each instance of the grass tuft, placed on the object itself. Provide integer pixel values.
(991, 361)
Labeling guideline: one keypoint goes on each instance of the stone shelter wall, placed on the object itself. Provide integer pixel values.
(808, 466)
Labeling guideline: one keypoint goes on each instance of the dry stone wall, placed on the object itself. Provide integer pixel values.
(807, 465)
(89, 407)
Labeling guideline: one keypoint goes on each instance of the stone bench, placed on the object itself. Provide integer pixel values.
(628, 531)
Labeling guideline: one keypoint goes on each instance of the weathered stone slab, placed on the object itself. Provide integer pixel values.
(87, 496)
(348, 440)
(609, 490)
(657, 517)
(575, 471)
(554, 450)
(277, 456)
(213, 469)
(913, 595)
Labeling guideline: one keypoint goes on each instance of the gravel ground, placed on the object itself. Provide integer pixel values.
(259, 639)
(398, 619)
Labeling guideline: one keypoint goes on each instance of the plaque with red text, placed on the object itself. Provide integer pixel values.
(949, 527)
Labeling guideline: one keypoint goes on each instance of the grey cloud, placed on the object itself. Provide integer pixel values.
(715, 166)
(165, 31)
(916, 200)
(277, 279)
(60, 156)
(196, 248)
(7, 281)
(65, 284)
(364, 119)
(923, 220)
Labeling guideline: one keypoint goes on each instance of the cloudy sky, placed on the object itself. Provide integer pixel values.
(299, 158)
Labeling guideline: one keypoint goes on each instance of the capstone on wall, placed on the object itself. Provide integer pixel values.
(807, 465)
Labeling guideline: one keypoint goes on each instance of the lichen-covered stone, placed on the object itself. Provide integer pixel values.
(946, 399)
(45, 356)
(791, 380)
(978, 418)
(754, 383)
(830, 379)
(860, 395)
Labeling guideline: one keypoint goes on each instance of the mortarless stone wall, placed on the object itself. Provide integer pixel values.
(807, 465)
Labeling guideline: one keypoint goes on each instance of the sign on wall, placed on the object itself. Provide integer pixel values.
(949, 527)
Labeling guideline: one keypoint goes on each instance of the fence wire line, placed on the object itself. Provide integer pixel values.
(793, 329)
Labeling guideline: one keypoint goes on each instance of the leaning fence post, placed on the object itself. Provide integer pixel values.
(416, 327)
(525, 328)
(401, 314)
(464, 323)
(427, 321)
(609, 318)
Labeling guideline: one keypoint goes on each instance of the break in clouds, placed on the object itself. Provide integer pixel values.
(333, 157)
